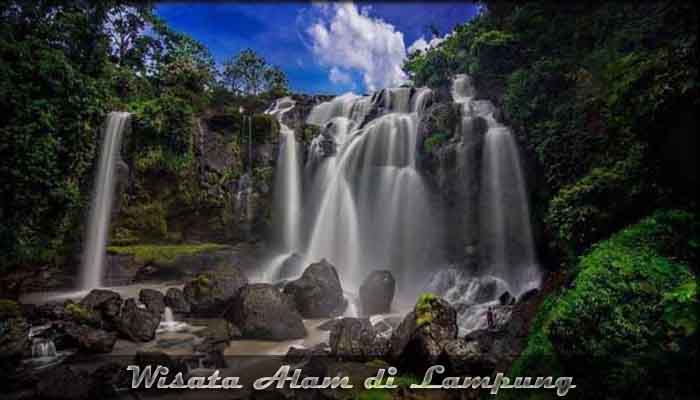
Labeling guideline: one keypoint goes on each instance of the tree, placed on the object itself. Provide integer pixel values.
(249, 74)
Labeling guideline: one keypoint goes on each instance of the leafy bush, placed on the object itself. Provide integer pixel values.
(608, 197)
(435, 140)
(632, 300)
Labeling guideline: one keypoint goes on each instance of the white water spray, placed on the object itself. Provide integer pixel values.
(101, 206)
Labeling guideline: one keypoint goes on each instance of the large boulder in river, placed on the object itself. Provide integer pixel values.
(175, 299)
(420, 338)
(209, 293)
(261, 311)
(377, 293)
(317, 294)
(153, 299)
(104, 303)
(355, 338)
(137, 324)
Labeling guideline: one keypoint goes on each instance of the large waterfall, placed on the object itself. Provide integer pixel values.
(101, 205)
(366, 206)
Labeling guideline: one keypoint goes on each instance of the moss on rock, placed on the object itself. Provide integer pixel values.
(163, 254)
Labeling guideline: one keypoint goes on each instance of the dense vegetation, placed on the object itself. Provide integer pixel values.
(65, 65)
(602, 96)
(595, 92)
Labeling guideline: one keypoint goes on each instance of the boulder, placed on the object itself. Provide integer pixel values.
(317, 294)
(153, 299)
(506, 299)
(105, 303)
(69, 334)
(461, 358)
(175, 299)
(209, 293)
(290, 267)
(418, 341)
(355, 338)
(137, 324)
(377, 293)
(262, 312)
(528, 295)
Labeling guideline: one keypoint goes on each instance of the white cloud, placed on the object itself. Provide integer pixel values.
(422, 45)
(346, 38)
(337, 75)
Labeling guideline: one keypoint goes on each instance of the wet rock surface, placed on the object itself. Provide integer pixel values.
(419, 340)
(261, 311)
(175, 299)
(355, 338)
(317, 294)
(377, 293)
(137, 324)
(209, 293)
(153, 299)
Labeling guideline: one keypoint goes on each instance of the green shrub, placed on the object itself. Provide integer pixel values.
(629, 314)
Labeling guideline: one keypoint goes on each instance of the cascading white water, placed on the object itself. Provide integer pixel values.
(288, 182)
(506, 242)
(101, 205)
(42, 348)
(370, 205)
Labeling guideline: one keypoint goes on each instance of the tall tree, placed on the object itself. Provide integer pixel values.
(249, 74)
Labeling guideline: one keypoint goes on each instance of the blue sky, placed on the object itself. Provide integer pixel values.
(323, 48)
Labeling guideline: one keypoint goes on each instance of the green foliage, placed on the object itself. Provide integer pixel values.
(9, 309)
(424, 308)
(588, 210)
(248, 73)
(163, 254)
(632, 300)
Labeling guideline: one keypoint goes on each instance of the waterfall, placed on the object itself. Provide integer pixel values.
(505, 237)
(43, 348)
(368, 205)
(288, 180)
(101, 205)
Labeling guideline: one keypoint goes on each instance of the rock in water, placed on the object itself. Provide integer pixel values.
(105, 303)
(208, 293)
(419, 340)
(377, 293)
(176, 301)
(261, 311)
(153, 299)
(317, 294)
(355, 338)
(137, 324)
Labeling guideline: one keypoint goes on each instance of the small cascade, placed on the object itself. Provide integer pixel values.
(101, 206)
(169, 324)
(43, 348)
(505, 235)
(288, 183)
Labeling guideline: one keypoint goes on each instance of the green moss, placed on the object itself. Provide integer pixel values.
(163, 253)
(632, 300)
(9, 309)
(78, 312)
(435, 140)
(424, 308)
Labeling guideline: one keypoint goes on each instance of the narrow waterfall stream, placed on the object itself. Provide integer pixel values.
(506, 244)
(101, 205)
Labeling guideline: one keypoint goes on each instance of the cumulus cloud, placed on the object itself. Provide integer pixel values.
(337, 75)
(422, 45)
(346, 38)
